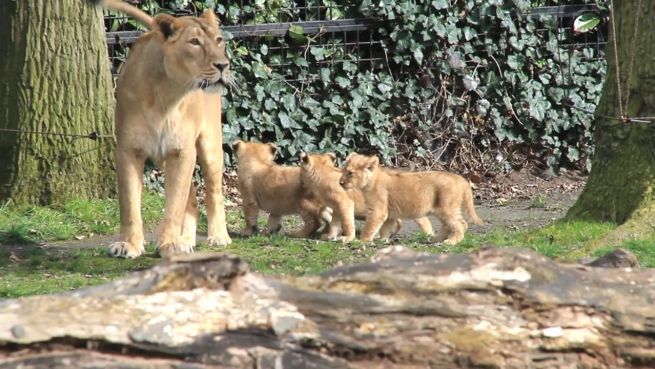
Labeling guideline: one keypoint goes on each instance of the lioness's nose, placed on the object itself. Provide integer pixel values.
(221, 65)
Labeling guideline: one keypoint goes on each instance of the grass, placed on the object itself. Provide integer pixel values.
(27, 269)
(76, 219)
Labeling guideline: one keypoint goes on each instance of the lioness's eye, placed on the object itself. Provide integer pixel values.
(194, 41)
(219, 40)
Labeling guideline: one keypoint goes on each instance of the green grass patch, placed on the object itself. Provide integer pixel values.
(78, 218)
(31, 270)
(643, 249)
(27, 269)
(559, 240)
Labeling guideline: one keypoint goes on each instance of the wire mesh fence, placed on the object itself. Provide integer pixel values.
(289, 28)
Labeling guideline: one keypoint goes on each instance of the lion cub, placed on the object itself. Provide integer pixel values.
(392, 195)
(319, 175)
(332, 230)
(275, 189)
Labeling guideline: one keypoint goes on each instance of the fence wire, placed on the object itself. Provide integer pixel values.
(331, 24)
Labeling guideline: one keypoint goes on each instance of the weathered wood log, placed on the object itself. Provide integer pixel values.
(494, 308)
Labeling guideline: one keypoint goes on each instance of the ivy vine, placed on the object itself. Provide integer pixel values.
(471, 85)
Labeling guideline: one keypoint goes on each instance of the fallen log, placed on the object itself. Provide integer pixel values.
(493, 308)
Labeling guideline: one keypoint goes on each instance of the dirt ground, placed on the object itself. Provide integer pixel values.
(515, 201)
(523, 200)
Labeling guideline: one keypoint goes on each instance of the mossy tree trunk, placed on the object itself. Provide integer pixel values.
(55, 78)
(620, 185)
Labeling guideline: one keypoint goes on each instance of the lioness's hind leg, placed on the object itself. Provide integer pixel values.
(179, 171)
(425, 224)
(129, 167)
(452, 230)
(211, 160)
(274, 224)
(250, 215)
(312, 213)
(190, 222)
(390, 227)
(457, 227)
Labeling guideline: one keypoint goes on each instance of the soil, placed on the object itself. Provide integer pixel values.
(523, 200)
(519, 200)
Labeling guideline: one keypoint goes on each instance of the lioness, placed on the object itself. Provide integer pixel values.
(275, 189)
(168, 108)
(319, 175)
(392, 195)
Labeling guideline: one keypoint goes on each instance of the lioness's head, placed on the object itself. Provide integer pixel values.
(193, 51)
(313, 161)
(254, 151)
(358, 170)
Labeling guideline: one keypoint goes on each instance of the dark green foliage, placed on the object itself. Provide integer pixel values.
(470, 84)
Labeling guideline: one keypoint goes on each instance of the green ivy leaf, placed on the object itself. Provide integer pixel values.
(297, 33)
(285, 121)
(342, 82)
(585, 22)
(259, 70)
(418, 55)
(440, 4)
(269, 104)
(384, 87)
(318, 52)
(538, 110)
(301, 62)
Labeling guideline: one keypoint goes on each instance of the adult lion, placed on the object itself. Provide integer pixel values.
(168, 108)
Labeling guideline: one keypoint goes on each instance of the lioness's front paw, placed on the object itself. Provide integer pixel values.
(122, 249)
(171, 248)
(219, 240)
(347, 239)
(451, 241)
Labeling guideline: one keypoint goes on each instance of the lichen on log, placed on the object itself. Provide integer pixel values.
(494, 308)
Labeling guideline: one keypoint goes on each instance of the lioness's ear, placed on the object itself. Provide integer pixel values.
(332, 156)
(210, 16)
(350, 155)
(236, 144)
(273, 148)
(373, 162)
(165, 24)
(304, 158)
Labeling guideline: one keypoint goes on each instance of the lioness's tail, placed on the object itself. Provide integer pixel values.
(470, 208)
(130, 10)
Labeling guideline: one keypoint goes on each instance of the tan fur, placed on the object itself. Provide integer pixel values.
(392, 195)
(168, 108)
(333, 229)
(133, 12)
(320, 176)
(273, 188)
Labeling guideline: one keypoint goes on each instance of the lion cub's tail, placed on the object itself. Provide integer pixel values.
(131, 11)
(470, 208)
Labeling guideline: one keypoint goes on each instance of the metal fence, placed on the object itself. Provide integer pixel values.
(330, 25)
(566, 14)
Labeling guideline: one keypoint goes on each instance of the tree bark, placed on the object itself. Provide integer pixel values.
(495, 308)
(620, 185)
(54, 79)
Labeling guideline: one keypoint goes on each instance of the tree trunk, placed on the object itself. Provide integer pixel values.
(620, 185)
(495, 308)
(54, 80)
